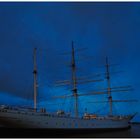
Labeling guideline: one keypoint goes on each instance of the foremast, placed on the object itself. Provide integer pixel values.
(35, 80)
(74, 82)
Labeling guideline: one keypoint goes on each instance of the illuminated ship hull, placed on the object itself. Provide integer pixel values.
(28, 119)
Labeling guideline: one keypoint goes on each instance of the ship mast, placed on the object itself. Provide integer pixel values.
(109, 87)
(81, 80)
(35, 80)
(73, 65)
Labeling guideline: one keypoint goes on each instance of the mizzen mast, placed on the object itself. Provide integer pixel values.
(35, 80)
(109, 86)
(73, 65)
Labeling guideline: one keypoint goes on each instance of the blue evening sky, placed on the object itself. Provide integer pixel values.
(104, 29)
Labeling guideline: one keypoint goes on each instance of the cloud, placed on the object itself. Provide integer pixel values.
(6, 99)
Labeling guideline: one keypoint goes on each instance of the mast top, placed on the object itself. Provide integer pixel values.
(72, 44)
(106, 60)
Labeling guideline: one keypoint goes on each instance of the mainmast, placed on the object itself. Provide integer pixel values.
(35, 80)
(109, 87)
(74, 81)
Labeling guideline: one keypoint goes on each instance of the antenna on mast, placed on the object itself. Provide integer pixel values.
(35, 80)
(108, 89)
(73, 65)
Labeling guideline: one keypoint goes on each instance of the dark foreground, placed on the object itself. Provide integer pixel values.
(133, 132)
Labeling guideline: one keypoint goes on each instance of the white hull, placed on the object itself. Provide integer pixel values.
(13, 118)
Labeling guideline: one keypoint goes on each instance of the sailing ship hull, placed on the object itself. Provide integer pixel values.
(42, 120)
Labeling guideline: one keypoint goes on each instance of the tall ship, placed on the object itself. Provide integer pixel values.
(40, 118)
